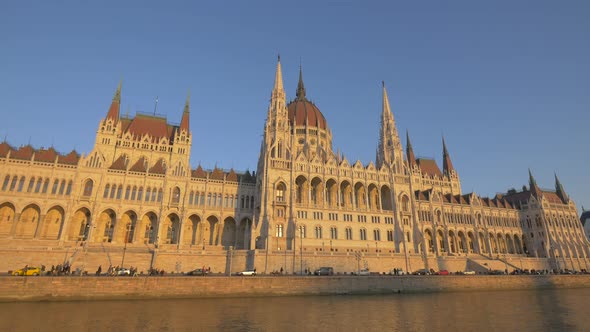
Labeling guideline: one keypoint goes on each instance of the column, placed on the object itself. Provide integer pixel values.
(39, 226)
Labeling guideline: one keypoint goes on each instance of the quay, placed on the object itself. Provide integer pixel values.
(72, 288)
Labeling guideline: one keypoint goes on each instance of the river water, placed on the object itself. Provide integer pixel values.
(540, 310)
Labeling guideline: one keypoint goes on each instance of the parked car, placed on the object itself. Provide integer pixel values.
(397, 272)
(362, 272)
(247, 273)
(198, 272)
(27, 271)
(324, 271)
(122, 272)
(442, 273)
(497, 272)
(421, 272)
(469, 272)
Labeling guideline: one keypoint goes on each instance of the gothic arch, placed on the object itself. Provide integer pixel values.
(26, 225)
(386, 198)
(373, 194)
(53, 223)
(104, 226)
(244, 234)
(301, 190)
(331, 193)
(211, 230)
(126, 229)
(192, 230)
(148, 227)
(345, 194)
(317, 192)
(229, 233)
(171, 228)
(360, 196)
(79, 225)
(7, 214)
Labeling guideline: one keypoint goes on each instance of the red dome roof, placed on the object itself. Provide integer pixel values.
(302, 112)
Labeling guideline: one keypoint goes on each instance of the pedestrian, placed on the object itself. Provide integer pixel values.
(99, 270)
(281, 270)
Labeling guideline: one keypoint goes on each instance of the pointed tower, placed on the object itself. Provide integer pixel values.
(113, 113)
(535, 190)
(300, 87)
(560, 191)
(183, 142)
(389, 151)
(184, 122)
(410, 152)
(448, 168)
(273, 165)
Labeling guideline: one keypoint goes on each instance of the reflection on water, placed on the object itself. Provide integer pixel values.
(542, 310)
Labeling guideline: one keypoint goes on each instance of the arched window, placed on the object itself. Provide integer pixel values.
(377, 235)
(55, 187)
(133, 193)
(318, 232)
(88, 186)
(31, 185)
(175, 195)
(45, 186)
(279, 231)
(405, 204)
(13, 183)
(160, 195)
(39, 183)
(113, 191)
(21, 184)
(5, 184)
(62, 187)
(333, 233)
(140, 193)
(154, 194)
(106, 191)
(281, 192)
(69, 188)
(148, 194)
(363, 234)
(119, 191)
(127, 192)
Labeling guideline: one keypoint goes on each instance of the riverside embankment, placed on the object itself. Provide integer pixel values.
(101, 288)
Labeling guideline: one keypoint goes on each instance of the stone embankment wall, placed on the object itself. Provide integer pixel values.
(97, 288)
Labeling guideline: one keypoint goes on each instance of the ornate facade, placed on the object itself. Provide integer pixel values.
(137, 188)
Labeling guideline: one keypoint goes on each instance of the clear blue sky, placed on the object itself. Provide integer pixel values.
(506, 82)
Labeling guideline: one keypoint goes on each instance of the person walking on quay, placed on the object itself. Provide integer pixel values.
(99, 270)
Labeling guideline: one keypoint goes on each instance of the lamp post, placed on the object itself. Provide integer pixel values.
(301, 248)
(231, 254)
(128, 227)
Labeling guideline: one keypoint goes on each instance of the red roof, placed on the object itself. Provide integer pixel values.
(158, 168)
(303, 112)
(70, 159)
(24, 153)
(429, 167)
(120, 163)
(154, 126)
(232, 176)
(199, 173)
(217, 174)
(47, 156)
(4, 149)
(139, 166)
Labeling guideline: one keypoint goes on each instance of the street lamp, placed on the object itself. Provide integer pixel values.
(128, 227)
(231, 254)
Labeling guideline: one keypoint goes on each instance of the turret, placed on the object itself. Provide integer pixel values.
(113, 113)
(184, 122)
(560, 191)
(410, 151)
(535, 190)
(448, 168)
(389, 151)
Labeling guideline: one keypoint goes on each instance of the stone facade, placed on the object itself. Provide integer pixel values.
(307, 205)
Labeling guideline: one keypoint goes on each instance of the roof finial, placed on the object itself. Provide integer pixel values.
(188, 101)
(117, 96)
(300, 87)
(279, 57)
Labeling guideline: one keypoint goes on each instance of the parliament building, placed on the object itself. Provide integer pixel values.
(135, 199)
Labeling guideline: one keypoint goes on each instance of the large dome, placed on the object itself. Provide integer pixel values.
(302, 112)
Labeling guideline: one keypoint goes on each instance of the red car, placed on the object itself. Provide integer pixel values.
(443, 273)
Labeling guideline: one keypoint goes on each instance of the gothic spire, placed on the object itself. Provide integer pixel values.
(447, 164)
(389, 143)
(560, 191)
(535, 190)
(278, 76)
(300, 87)
(115, 104)
(410, 151)
(184, 122)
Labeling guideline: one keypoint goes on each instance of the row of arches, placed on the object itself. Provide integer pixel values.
(133, 193)
(36, 185)
(109, 227)
(330, 194)
(461, 242)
